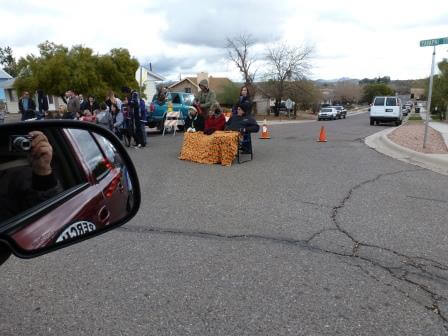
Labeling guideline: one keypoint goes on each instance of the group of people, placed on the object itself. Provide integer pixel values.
(127, 116)
(207, 116)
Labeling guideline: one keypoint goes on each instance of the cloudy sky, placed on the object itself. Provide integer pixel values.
(352, 39)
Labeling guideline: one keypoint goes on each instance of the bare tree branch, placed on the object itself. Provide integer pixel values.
(238, 51)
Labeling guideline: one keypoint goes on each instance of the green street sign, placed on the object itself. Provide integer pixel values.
(434, 42)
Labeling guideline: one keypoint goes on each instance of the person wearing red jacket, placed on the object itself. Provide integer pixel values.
(215, 120)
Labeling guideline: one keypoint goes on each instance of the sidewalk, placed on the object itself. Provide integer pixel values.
(442, 128)
(435, 162)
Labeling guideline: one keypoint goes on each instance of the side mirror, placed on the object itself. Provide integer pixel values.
(62, 182)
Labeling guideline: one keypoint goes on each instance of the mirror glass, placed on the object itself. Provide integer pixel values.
(60, 184)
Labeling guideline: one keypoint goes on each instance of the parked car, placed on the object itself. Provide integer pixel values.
(419, 108)
(342, 112)
(386, 109)
(327, 113)
(86, 185)
(405, 109)
(157, 110)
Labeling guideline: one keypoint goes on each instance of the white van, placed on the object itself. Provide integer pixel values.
(386, 109)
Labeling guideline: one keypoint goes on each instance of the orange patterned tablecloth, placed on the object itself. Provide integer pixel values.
(220, 147)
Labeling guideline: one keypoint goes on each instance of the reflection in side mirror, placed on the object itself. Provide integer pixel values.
(61, 185)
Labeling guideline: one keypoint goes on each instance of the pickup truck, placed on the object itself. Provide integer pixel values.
(157, 111)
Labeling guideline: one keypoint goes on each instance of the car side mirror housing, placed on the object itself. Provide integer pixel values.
(63, 182)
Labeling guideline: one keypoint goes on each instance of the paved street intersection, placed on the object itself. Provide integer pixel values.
(307, 239)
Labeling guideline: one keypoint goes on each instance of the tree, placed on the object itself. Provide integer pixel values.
(238, 51)
(305, 94)
(347, 92)
(58, 69)
(440, 90)
(8, 62)
(377, 80)
(372, 90)
(229, 95)
(286, 63)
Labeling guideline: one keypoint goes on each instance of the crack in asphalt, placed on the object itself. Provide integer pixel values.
(409, 265)
(408, 262)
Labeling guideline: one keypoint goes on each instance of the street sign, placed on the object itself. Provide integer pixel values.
(434, 42)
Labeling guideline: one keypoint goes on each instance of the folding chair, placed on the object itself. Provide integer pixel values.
(245, 148)
(171, 121)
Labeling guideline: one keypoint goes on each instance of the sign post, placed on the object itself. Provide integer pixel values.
(431, 43)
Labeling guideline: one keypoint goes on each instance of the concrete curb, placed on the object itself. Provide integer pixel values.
(381, 143)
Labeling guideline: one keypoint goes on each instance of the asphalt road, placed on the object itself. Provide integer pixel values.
(308, 239)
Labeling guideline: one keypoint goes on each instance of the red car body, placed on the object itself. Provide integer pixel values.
(97, 203)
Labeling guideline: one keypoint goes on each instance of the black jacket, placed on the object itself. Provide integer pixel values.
(23, 190)
(197, 123)
(245, 104)
(31, 105)
(91, 107)
(246, 124)
(42, 101)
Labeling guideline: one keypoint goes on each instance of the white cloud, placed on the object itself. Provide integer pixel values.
(351, 38)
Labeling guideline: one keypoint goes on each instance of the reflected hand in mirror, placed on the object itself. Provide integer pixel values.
(60, 185)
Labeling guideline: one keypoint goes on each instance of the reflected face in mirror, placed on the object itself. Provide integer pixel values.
(59, 185)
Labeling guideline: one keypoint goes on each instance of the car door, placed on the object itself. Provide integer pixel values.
(85, 208)
(187, 99)
(118, 192)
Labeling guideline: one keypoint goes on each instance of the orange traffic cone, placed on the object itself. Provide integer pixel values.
(264, 131)
(323, 135)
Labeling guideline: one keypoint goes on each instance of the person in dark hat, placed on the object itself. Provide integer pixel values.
(205, 98)
(243, 123)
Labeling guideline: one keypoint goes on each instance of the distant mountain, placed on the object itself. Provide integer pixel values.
(332, 81)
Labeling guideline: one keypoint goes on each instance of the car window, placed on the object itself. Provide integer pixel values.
(379, 102)
(391, 102)
(175, 98)
(91, 153)
(107, 147)
(188, 99)
(327, 110)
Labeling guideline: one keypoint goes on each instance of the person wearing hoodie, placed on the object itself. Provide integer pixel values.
(215, 120)
(205, 98)
(194, 121)
(243, 123)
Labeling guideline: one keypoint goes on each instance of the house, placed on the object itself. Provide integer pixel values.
(12, 98)
(146, 77)
(417, 93)
(262, 102)
(191, 84)
(4, 76)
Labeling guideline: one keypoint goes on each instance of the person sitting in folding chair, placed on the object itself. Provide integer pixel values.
(244, 124)
(194, 121)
